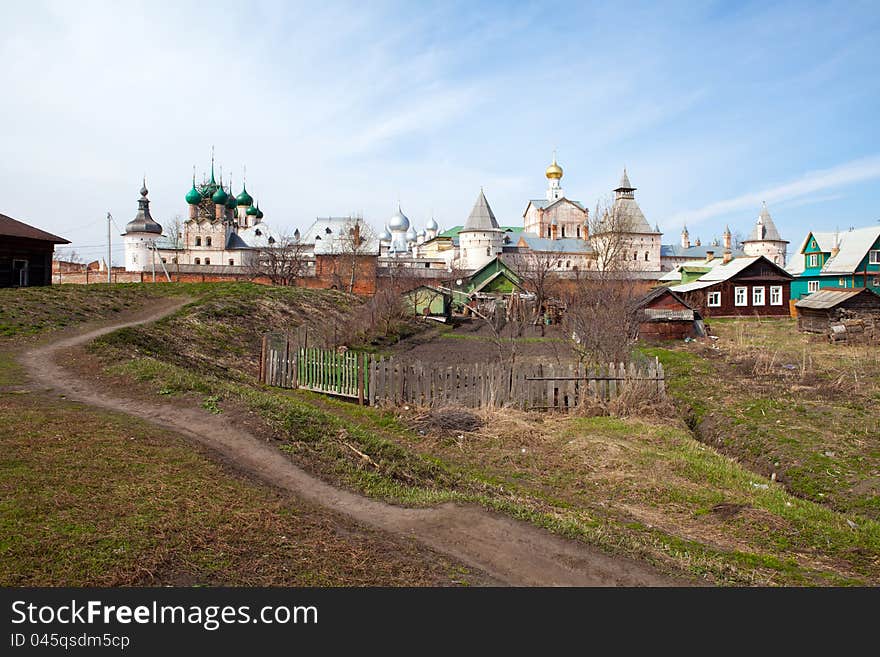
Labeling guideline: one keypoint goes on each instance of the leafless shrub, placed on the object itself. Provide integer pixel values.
(446, 420)
(640, 399)
(281, 262)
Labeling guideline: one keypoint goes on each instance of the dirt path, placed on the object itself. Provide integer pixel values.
(507, 550)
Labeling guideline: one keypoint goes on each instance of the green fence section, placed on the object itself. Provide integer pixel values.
(286, 365)
(325, 370)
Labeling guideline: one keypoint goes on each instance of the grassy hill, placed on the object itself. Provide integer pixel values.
(642, 486)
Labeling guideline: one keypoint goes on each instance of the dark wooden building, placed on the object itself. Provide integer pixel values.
(664, 315)
(25, 254)
(747, 285)
(819, 310)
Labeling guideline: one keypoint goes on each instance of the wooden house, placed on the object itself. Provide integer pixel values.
(748, 285)
(818, 311)
(25, 254)
(667, 316)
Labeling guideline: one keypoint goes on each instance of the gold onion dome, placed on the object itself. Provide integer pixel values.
(554, 170)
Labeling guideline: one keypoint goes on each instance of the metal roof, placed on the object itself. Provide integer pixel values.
(694, 251)
(543, 203)
(481, 216)
(563, 245)
(830, 297)
(764, 229)
(853, 244)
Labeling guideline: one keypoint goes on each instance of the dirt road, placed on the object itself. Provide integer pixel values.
(508, 551)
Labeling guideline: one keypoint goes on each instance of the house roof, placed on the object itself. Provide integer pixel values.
(10, 227)
(543, 203)
(659, 291)
(853, 244)
(719, 272)
(326, 234)
(830, 297)
(563, 245)
(481, 216)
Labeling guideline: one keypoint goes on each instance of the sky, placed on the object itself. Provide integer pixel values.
(340, 108)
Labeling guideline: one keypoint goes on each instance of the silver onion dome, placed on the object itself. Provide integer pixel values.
(399, 221)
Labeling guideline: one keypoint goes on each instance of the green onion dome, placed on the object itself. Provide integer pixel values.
(244, 198)
(230, 200)
(193, 196)
(259, 212)
(220, 196)
(251, 211)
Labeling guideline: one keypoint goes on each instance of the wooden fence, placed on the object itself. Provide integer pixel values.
(380, 381)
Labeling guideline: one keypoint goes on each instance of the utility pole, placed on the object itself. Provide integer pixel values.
(109, 256)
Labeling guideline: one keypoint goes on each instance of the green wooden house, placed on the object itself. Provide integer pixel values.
(494, 279)
(849, 259)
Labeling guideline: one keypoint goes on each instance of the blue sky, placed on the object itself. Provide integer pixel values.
(711, 106)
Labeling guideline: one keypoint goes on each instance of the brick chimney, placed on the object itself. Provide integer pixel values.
(710, 256)
(728, 256)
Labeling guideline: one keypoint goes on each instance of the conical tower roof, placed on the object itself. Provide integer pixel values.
(764, 229)
(481, 216)
(624, 185)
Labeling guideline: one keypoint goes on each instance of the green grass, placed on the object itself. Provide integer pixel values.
(91, 498)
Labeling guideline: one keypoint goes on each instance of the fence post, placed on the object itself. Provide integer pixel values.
(263, 360)
(361, 370)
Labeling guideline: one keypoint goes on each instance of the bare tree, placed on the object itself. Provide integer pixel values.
(602, 316)
(282, 262)
(540, 276)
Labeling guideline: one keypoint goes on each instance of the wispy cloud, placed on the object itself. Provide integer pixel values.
(810, 183)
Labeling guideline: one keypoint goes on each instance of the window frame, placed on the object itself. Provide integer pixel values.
(717, 297)
(812, 260)
(874, 257)
(813, 286)
(762, 294)
(778, 290)
(745, 296)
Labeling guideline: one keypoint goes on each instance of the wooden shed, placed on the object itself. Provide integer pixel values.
(25, 253)
(667, 316)
(818, 311)
(428, 301)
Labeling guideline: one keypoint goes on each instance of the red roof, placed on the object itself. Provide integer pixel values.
(9, 227)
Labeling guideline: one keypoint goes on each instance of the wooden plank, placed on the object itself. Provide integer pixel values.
(361, 365)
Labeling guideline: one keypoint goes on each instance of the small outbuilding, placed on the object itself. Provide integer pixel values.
(667, 316)
(837, 306)
(428, 301)
(25, 254)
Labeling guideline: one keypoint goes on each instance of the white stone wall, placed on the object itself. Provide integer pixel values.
(477, 247)
(773, 251)
(138, 256)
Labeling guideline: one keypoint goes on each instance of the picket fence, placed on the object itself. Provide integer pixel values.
(393, 382)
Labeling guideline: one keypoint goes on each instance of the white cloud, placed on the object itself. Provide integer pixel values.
(810, 183)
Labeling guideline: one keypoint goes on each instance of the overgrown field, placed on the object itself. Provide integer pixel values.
(787, 403)
(89, 497)
(640, 486)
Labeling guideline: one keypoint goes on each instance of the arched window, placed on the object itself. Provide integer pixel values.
(231, 262)
(207, 241)
(568, 264)
(578, 231)
(635, 256)
(488, 252)
(646, 256)
(198, 242)
(548, 231)
(207, 261)
(563, 230)
(198, 261)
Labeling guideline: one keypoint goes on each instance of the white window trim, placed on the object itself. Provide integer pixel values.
(874, 257)
(716, 296)
(812, 286)
(813, 260)
(763, 295)
(745, 296)
(776, 291)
